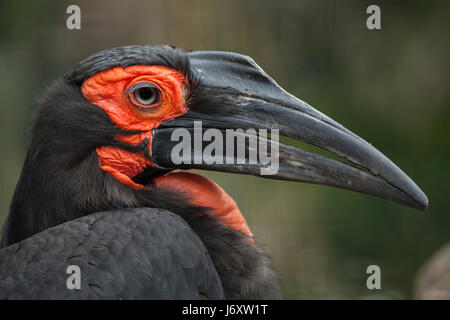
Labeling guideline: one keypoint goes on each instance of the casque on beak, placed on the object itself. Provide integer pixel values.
(232, 92)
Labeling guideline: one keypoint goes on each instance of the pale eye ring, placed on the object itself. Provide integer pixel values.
(144, 94)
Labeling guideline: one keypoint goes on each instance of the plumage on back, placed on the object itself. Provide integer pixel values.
(122, 254)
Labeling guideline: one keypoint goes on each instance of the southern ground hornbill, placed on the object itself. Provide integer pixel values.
(97, 191)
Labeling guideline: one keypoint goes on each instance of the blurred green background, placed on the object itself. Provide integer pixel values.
(389, 86)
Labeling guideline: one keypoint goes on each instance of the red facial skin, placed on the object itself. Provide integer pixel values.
(108, 91)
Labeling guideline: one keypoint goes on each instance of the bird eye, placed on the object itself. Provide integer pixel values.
(144, 95)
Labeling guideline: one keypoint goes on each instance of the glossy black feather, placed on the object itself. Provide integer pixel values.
(122, 254)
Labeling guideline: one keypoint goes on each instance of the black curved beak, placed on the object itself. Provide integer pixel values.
(231, 92)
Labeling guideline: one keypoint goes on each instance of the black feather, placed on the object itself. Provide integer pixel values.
(126, 56)
(157, 272)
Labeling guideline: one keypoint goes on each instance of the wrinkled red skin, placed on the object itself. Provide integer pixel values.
(205, 192)
(107, 90)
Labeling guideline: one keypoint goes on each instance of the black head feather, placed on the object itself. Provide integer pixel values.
(126, 56)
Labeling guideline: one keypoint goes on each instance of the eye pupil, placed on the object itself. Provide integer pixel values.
(146, 95)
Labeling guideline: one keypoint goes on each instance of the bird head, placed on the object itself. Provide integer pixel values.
(111, 130)
(154, 94)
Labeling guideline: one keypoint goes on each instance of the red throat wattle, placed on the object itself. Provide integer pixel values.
(207, 193)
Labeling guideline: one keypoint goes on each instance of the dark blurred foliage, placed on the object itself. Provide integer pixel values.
(389, 86)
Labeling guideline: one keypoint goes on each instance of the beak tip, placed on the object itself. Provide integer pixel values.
(425, 204)
(421, 201)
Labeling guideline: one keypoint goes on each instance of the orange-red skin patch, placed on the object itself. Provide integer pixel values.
(205, 192)
(107, 90)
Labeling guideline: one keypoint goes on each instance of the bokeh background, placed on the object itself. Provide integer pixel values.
(389, 86)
